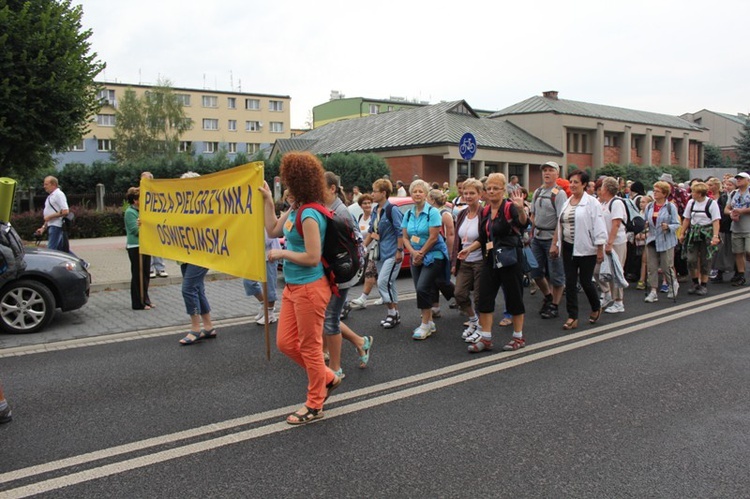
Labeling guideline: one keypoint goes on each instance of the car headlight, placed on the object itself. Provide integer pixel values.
(70, 266)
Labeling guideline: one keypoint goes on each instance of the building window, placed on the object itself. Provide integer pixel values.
(210, 101)
(390, 108)
(252, 147)
(252, 126)
(232, 147)
(374, 109)
(107, 97)
(610, 140)
(210, 147)
(231, 103)
(275, 105)
(656, 143)
(277, 127)
(183, 99)
(252, 104)
(79, 146)
(635, 142)
(185, 146)
(105, 119)
(104, 145)
(210, 124)
(578, 142)
(232, 125)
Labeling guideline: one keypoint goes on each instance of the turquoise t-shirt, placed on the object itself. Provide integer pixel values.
(418, 228)
(299, 274)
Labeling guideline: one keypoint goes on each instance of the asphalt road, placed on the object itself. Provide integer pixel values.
(650, 403)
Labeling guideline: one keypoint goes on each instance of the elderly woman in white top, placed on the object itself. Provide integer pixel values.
(580, 237)
(615, 215)
(700, 231)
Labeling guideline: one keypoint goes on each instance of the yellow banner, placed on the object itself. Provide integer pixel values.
(214, 221)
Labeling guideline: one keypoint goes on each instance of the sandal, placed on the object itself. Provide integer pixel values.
(332, 386)
(192, 337)
(209, 334)
(594, 317)
(506, 322)
(309, 415)
(391, 321)
(514, 344)
(570, 324)
(365, 357)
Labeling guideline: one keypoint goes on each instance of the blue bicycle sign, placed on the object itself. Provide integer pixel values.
(468, 146)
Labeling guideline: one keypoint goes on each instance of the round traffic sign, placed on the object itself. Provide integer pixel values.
(468, 146)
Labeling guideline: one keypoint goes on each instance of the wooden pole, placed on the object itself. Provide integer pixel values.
(265, 314)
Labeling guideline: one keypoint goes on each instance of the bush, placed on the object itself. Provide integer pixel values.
(88, 223)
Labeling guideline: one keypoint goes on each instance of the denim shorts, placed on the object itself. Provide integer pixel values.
(553, 266)
(332, 321)
(253, 288)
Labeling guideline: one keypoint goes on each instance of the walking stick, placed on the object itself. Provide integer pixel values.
(140, 276)
(265, 314)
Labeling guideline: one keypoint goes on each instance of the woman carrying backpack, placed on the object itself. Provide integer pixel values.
(700, 236)
(500, 226)
(307, 291)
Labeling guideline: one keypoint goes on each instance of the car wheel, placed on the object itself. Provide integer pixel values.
(26, 307)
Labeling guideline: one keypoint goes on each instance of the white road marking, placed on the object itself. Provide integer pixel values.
(658, 317)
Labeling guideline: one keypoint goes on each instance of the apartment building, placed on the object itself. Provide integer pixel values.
(340, 107)
(234, 121)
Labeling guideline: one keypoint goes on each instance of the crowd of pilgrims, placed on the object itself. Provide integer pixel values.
(569, 239)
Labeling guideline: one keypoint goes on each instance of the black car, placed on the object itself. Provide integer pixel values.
(51, 280)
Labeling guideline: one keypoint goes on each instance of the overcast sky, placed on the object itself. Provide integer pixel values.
(663, 56)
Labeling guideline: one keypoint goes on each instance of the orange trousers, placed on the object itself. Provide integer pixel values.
(299, 334)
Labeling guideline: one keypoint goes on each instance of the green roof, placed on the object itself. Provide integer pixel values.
(437, 124)
(538, 104)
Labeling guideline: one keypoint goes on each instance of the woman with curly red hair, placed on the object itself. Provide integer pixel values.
(299, 333)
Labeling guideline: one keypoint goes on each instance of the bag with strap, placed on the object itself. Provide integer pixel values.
(506, 256)
(67, 220)
(635, 222)
(340, 254)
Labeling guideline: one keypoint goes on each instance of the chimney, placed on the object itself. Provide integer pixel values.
(550, 94)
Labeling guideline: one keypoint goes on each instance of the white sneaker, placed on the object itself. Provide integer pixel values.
(651, 298)
(470, 329)
(423, 331)
(379, 301)
(260, 319)
(673, 291)
(615, 308)
(152, 275)
(605, 299)
(358, 303)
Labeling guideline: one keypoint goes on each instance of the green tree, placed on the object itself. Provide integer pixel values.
(132, 140)
(357, 168)
(47, 88)
(743, 145)
(712, 157)
(151, 125)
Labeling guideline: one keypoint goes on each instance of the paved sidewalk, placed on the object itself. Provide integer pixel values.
(108, 310)
(110, 266)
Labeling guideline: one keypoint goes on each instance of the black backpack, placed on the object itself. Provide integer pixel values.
(341, 253)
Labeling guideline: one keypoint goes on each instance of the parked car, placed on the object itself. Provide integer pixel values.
(51, 280)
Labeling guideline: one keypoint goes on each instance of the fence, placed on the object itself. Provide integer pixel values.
(25, 201)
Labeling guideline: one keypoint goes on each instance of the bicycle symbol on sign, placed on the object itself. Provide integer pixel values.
(467, 145)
